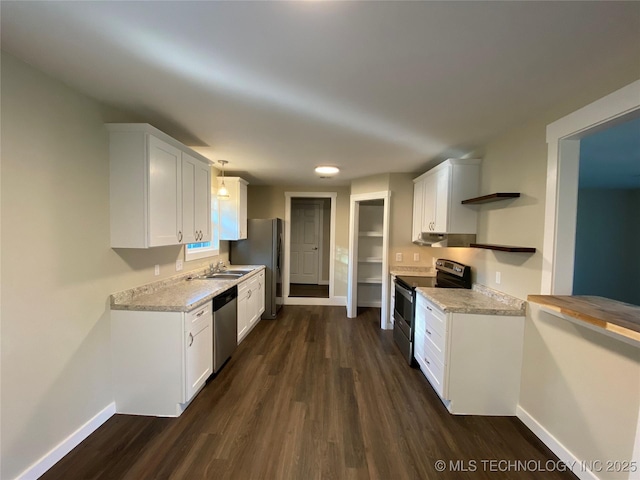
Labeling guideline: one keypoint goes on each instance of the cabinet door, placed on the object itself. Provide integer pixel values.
(199, 355)
(418, 204)
(243, 311)
(428, 205)
(261, 294)
(203, 201)
(196, 200)
(242, 211)
(165, 205)
(254, 301)
(441, 185)
(233, 210)
(189, 165)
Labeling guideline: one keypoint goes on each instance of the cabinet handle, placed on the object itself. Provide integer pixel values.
(200, 313)
(190, 339)
(249, 294)
(179, 236)
(201, 235)
(428, 332)
(427, 361)
(197, 235)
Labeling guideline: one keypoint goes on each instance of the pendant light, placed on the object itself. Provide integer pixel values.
(223, 193)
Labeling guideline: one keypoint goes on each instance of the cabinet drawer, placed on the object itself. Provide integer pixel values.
(197, 315)
(433, 370)
(434, 318)
(433, 343)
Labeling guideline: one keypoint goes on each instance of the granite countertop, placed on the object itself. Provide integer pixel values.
(410, 271)
(479, 300)
(177, 294)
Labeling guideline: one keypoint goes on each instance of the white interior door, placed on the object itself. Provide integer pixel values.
(305, 240)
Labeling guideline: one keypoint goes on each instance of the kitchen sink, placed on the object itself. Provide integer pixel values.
(228, 275)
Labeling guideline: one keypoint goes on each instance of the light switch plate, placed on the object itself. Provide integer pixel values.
(416, 257)
(398, 257)
(156, 270)
(498, 278)
(179, 265)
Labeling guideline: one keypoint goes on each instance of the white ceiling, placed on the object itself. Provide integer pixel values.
(277, 88)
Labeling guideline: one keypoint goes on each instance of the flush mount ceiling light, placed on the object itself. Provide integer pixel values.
(327, 171)
(223, 193)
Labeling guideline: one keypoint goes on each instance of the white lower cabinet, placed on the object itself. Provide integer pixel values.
(160, 359)
(472, 361)
(251, 304)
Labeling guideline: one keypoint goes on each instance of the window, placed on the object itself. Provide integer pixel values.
(195, 251)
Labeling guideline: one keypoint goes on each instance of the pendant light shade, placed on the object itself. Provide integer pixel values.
(223, 193)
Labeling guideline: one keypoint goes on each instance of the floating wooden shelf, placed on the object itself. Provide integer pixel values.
(503, 248)
(493, 197)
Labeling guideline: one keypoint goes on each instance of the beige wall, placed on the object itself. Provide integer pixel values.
(373, 183)
(581, 386)
(269, 202)
(57, 267)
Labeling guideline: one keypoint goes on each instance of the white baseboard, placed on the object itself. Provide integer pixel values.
(333, 301)
(323, 282)
(68, 444)
(563, 453)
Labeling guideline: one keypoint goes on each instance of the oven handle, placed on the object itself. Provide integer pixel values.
(408, 294)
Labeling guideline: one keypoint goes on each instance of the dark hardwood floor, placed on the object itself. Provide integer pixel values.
(311, 395)
(304, 290)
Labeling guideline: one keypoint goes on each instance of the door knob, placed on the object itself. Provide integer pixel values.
(315, 248)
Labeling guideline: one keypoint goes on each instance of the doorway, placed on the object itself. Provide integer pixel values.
(309, 252)
(563, 139)
(607, 228)
(309, 247)
(368, 283)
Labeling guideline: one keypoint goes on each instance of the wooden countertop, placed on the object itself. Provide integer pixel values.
(615, 317)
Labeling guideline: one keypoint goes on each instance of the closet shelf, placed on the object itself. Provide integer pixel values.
(370, 234)
(503, 248)
(493, 197)
(370, 260)
(371, 280)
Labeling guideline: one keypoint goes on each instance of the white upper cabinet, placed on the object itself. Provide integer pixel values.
(196, 200)
(438, 195)
(165, 204)
(233, 210)
(160, 190)
(418, 203)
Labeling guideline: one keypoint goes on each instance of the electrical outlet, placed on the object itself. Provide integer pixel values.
(498, 278)
(398, 257)
(416, 257)
(156, 270)
(179, 265)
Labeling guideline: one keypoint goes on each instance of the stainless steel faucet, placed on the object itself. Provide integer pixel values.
(217, 267)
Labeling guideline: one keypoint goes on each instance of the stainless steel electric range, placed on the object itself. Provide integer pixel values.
(449, 274)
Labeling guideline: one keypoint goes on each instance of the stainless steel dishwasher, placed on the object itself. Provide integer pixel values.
(225, 326)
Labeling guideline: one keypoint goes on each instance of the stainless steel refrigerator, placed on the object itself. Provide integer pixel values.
(263, 246)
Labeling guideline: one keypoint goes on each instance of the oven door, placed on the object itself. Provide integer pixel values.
(403, 310)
